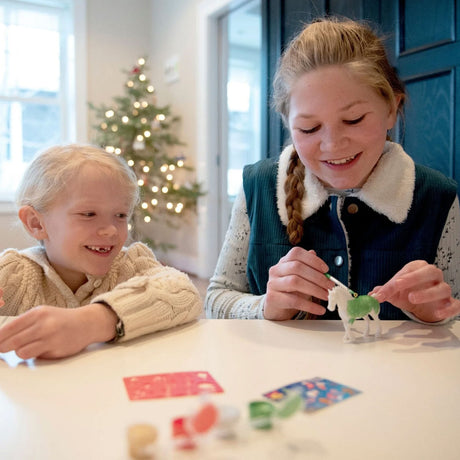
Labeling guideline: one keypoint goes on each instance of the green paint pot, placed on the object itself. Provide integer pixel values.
(260, 415)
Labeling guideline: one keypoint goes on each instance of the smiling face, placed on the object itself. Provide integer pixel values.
(338, 126)
(87, 226)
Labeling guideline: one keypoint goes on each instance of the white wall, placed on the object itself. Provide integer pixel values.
(174, 36)
(12, 234)
(118, 33)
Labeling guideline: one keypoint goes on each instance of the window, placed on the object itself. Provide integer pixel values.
(36, 93)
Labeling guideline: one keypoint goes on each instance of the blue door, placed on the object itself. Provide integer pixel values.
(426, 51)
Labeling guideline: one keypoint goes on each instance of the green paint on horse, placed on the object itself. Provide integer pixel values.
(361, 306)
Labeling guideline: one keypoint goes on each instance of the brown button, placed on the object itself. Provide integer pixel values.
(352, 208)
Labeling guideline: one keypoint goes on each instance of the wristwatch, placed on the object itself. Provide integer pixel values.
(119, 327)
(119, 330)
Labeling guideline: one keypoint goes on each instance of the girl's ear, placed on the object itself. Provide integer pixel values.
(394, 112)
(32, 221)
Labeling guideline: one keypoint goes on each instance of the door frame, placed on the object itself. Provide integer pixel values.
(208, 14)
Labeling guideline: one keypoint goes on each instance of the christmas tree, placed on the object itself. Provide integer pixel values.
(143, 134)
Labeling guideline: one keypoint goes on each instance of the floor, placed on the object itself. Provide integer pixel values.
(201, 284)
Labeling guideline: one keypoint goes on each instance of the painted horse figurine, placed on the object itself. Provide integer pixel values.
(351, 308)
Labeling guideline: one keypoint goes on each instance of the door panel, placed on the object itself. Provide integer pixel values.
(427, 56)
(425, 23)
(428, 133)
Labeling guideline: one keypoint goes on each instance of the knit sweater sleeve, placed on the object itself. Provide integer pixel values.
(448, 256)
(228, 293)
(151, 297)
(20, 279)
(11, 281)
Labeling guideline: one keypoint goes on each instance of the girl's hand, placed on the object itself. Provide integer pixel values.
(52, 332)
(420, 289)
(293, 283)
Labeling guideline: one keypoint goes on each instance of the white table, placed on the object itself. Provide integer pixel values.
(409, 408)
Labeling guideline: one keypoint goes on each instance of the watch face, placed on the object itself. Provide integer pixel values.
(120, 329)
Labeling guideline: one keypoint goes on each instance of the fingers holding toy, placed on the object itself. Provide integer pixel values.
(419, 288)
(301, 271)
(294, 282)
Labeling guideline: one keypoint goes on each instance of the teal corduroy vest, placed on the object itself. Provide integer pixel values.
(378, 248)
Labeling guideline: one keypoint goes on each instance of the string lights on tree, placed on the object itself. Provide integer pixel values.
(136, 128)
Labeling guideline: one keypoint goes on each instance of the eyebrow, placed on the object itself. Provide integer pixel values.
(342, 109)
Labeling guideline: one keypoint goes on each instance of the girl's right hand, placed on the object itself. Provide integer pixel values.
(293, 283)
(50, 332)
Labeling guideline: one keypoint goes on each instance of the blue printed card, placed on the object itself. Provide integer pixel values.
(316, 392)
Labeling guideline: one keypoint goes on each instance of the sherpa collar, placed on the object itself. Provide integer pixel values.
(388, 190)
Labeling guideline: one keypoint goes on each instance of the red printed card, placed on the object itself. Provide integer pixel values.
(170, 385)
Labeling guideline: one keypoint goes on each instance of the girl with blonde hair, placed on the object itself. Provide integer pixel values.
(81, 285)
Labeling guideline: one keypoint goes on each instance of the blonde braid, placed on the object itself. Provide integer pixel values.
(294, 189)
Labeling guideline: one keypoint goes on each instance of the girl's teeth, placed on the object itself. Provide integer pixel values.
(98, 249)
(341, 162)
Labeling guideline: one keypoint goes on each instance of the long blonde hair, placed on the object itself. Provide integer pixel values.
(325, 42)
(49, 173)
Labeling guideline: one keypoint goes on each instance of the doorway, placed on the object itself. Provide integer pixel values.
(239, 96)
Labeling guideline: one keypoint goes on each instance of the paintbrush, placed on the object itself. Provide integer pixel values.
(336, 281)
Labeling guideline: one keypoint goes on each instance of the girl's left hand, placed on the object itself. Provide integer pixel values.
(420, 289)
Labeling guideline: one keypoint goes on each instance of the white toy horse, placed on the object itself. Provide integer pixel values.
(351, 308)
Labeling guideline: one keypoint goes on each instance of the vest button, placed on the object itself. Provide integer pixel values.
(97, 283)
(352, 208)
(338, 261)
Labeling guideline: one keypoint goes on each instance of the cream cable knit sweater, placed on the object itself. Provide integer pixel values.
(146, 295)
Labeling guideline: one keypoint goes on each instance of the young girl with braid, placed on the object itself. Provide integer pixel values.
(81, 285)
(341, 199)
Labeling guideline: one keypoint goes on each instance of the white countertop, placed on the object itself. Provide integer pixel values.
(409, 408)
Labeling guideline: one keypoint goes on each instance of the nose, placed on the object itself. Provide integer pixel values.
(107, 230)
(333, 139)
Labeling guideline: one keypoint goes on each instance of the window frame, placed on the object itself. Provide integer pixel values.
(73, 78)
